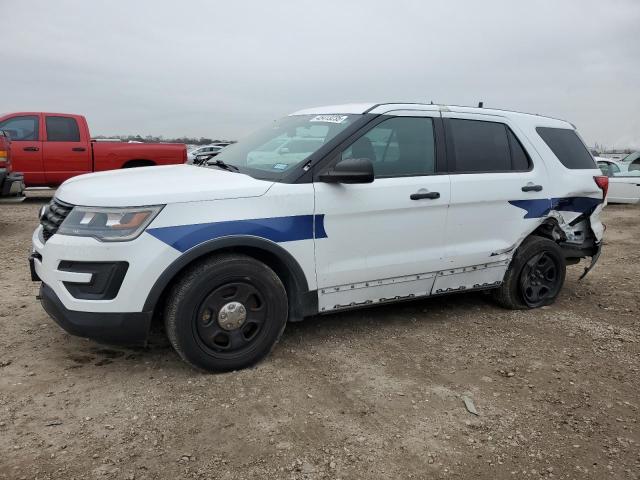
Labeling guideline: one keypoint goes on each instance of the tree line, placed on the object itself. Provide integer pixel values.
(161, 138)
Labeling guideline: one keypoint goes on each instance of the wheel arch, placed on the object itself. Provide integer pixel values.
(549, 228)
(302, 302)
(138, 162)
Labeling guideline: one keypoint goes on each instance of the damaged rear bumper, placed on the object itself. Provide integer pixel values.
(594, 259)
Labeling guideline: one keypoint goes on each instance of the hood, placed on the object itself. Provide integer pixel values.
(131, 187)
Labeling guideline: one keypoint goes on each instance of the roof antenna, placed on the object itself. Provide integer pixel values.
(480, 104)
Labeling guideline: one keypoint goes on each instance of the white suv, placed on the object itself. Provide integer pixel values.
(390, 202)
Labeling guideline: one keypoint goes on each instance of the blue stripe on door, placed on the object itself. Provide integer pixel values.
(276, 229)
(540, 207)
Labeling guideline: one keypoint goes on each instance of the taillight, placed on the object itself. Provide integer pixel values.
(3, 158)
(603, 184)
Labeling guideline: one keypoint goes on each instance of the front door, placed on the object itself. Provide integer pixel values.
(26, 147)
(384, 240)
(66, 153)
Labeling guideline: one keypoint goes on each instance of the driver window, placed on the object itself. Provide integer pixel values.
(21, 128)
(399, 146)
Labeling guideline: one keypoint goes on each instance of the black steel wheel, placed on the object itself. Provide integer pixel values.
(230, 317)
(226, 312)
(535, 276)
(540, 279)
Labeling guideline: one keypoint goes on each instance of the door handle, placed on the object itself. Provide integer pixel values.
(79, 149)
(30, 149)
(421, 195)
(532, 188)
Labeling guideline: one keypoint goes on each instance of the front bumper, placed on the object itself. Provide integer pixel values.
(11, 183)
(60, 263)
(108, 327)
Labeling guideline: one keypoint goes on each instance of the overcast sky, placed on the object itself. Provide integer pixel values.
(221, 69)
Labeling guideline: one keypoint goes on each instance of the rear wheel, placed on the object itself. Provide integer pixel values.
(226, 313)
(535, 276)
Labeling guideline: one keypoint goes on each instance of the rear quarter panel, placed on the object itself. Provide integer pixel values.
(571, 191)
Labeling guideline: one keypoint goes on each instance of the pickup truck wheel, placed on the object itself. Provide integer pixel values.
(535, 276)
(226, 313)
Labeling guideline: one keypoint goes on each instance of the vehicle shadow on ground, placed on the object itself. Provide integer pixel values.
(38, 199)
(402, 314)
(348, 324)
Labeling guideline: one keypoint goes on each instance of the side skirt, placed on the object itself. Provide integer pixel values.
(409, 287)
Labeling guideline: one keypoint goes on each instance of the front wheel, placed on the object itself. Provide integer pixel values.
(535, 276)
(226, 313)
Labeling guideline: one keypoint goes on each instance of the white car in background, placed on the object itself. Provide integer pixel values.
(632, 161)
(624, 180)
(209, 150)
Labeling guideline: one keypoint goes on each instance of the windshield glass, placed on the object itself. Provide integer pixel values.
(275, 150)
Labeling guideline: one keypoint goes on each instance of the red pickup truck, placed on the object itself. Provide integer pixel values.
(49, 148)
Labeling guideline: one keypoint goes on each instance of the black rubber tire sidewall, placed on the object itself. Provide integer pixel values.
(194, 286)
(510, 294)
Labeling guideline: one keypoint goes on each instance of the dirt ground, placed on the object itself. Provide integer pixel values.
(370, 394)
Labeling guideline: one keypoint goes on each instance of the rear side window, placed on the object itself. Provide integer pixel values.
(21, 128)
(567, 146)
(62, 129)
(480, 146)
(519, 159)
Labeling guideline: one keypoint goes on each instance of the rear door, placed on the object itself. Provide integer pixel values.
(384, 240)
(66, 149)
(26, 149)
(493, 183)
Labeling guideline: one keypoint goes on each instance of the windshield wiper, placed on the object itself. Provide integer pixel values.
(222, 165)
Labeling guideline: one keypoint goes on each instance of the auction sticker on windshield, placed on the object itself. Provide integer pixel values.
(329, 118)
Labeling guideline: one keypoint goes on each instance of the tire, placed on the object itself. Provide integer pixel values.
(205, 309)
(535, 276)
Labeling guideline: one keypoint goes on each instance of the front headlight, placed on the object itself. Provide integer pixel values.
(118, 224)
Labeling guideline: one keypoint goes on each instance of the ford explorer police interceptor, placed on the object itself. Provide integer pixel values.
(352, 205)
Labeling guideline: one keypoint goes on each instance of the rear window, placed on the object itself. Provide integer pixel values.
(567, 146)
(62, 129)
(481, 147)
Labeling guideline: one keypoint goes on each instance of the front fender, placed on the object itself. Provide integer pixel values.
(297, 280)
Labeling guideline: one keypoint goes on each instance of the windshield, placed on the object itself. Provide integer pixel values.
(272, 152)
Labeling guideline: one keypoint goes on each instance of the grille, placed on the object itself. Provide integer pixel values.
(53, 216)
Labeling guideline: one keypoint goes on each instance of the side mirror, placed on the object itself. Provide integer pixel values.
(349, 170)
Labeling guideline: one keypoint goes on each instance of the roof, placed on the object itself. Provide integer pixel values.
(381, 108)
(349, 108)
